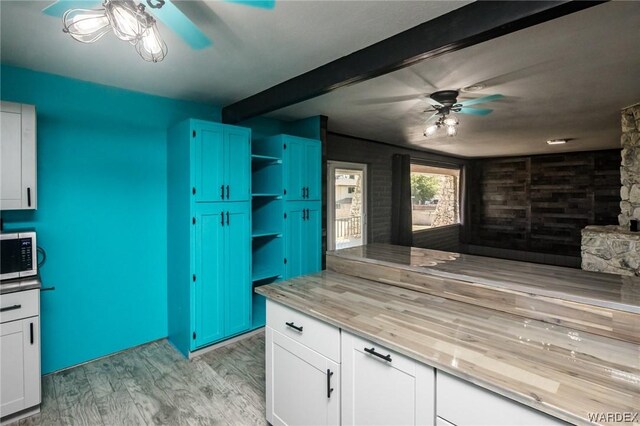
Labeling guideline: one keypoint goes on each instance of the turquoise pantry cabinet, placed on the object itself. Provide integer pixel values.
(209, 233)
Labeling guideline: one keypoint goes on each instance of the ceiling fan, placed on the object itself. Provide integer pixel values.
(445, 102)
(131, 21)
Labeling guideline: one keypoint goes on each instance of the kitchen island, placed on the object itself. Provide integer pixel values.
(566, 373)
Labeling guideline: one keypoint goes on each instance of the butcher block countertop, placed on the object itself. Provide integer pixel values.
(598, 289)
(560, 371)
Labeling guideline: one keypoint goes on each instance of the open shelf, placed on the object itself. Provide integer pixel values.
(268, 258)
(267, 216)
(267, 178)
(269, 147)
(263, 233)
(259, 311)
(266, 195)
(266, 159)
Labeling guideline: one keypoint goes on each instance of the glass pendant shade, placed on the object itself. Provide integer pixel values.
(127, 20)
(86, 25)
(451, 130)
(431, 130)
(151, 47)
(451, 120)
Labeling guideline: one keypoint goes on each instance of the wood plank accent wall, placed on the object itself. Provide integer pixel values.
(541, 203)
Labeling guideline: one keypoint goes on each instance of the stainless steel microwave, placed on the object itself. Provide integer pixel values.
(18, 254)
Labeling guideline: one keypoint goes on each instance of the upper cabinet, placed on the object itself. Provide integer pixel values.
(18, 190)
(302, 160)
(221, 159)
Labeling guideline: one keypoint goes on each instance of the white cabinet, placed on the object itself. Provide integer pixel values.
(483, 407)
(18, 188)
(303, 381)
(19, 353)
(381, 387)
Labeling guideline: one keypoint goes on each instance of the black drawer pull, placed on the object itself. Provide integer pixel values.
(372, 351)
(295, 327)
(10, 308)
(329, 388)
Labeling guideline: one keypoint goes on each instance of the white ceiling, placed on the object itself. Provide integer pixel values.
(253, 49)
(567, 78)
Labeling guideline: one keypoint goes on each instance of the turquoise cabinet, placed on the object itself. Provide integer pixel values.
(302, 162)
(222, 162)
(209, 233)
(303, 239)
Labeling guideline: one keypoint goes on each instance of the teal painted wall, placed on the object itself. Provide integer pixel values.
(102, 167)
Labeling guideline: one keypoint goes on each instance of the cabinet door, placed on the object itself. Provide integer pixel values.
(208, 162)
(311, 241)
(376, 391)
(19, 365)
(293, 240)
(312, 164)
(295, 179)
(238, 269)
(209, 266)
(11, 159)
(303, 387)
(237, 163)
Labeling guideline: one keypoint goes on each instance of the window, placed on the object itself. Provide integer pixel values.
(434, 196)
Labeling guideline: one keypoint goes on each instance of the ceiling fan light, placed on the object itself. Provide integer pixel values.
(451, 120)
(430, 130)
(151, 47)
(452, 131)
(127, 20)
(86, 25)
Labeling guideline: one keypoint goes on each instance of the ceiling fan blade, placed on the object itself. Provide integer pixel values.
(173, 18)
(431, 116)
(475, 111)
(58, 8)
(481, 100)
(388, 100)
(262, 4)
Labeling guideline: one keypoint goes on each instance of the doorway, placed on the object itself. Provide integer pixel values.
(346, 205)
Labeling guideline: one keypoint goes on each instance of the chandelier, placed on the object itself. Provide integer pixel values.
(128, 21)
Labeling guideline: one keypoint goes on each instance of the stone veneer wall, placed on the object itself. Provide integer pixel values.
(614, 249)
(630, 167)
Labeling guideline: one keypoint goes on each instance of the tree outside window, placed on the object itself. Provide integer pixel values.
(435, 196)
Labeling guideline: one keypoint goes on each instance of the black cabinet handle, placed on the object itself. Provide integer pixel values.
(227, 218)
(222, 192)
(28, 196)
(295, 327)
(10, 308)
(222, 218)
(372, 351)
(329, 388)
(31, 332)
(307, 214)
(307, 189)
(303, 192)
(227, 192)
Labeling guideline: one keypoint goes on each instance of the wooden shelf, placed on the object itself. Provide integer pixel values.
(261, 233)
(267, 195)
(265, 159)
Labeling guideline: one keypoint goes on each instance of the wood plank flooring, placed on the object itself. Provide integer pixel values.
(154, 385)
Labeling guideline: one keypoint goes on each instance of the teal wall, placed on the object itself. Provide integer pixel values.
(101, 211)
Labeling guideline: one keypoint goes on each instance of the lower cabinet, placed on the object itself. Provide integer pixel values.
(19, 352)
(381, 387)
(303, 387)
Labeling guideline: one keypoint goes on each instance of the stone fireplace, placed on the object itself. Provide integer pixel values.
(614, 248)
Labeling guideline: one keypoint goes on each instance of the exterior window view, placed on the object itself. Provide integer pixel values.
(434, 197)
(348, 208)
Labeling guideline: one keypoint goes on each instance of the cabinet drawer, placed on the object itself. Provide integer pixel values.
(482, 407)
(315, 334)
(21, 304)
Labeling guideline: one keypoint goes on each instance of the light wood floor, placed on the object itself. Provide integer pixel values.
(154, 384)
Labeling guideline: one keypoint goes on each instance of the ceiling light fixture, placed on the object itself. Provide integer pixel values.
(447, 122)
(556, 141)
(127, 21)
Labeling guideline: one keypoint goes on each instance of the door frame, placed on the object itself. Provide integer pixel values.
(331, 201)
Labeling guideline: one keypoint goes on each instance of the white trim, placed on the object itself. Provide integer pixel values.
(331, 202)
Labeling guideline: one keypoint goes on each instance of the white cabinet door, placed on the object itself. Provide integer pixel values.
(19, 365)
(17, 156)
(303, 387)
(381, 387)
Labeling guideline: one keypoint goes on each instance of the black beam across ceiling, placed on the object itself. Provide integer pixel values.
(469, 25)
